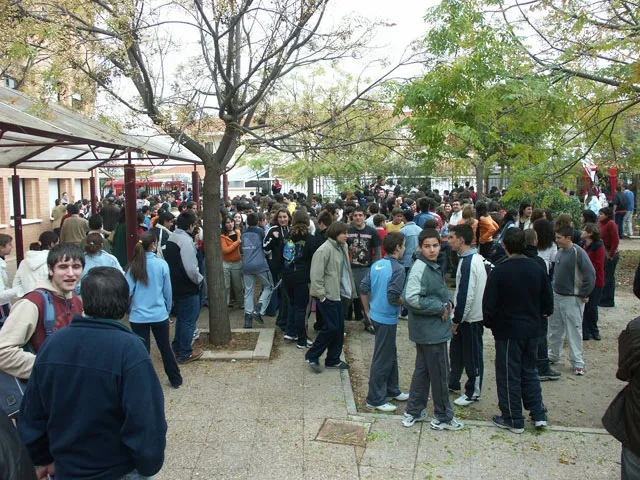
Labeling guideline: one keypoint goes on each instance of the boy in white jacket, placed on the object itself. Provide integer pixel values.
(466, 350)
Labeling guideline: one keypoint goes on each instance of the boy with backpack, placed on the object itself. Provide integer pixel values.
(255, 267)
(27, 325)
(383, 283)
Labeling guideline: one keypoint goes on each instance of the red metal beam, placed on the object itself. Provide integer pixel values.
(17, 217)
(130, 194)
(92, 190)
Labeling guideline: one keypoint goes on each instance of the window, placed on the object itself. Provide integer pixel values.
(54, 192)
(23, 204)
(10, 82)
(76, 101)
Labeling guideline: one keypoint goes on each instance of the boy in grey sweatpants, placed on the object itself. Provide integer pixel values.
(573, 281)
(427, 298)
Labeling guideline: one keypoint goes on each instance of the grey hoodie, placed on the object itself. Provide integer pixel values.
(573, 273)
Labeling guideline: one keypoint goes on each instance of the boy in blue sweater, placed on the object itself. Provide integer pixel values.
(384, 283)
(255, 267)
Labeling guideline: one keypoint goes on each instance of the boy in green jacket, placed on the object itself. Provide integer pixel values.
(427, 297)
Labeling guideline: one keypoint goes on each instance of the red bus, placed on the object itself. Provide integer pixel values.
(151, 186)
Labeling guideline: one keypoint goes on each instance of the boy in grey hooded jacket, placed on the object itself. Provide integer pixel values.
(429, 303)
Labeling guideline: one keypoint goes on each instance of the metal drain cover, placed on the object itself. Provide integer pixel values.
(344, 432)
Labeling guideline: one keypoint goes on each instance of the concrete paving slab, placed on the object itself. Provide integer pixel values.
(183, 455)
(174, 473)
(185, 431)
(329, 461)
(436, 453)
(372, 473)
(225, 460)
(390, 445)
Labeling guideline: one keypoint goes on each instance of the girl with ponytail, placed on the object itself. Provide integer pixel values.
(151, 296)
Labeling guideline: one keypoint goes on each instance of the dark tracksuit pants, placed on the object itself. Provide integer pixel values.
(431, 372)
(466, 352)
(383, 377)
(298, 295)
(590, 315)
(542, 355)
(609, 290)
(517, 381)
(331, 337)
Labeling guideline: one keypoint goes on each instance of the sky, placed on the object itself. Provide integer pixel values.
(403, 23)
(405, 20)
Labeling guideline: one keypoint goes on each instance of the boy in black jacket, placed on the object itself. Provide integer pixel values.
(517, 296)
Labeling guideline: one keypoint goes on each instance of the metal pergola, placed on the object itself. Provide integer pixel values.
(53, 138)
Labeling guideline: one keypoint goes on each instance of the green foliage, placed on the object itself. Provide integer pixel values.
(477, 106)
(550, 197)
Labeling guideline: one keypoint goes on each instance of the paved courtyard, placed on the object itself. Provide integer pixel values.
(261, 420)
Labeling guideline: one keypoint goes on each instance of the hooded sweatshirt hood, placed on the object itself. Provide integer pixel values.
(36, 259)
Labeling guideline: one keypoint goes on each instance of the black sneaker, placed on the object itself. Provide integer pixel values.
(257, 317)
(339, 366)
(549, 374)
(314, 366)
(248, 320)
(499, 422)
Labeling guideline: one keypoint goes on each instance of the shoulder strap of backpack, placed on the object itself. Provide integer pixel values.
(49, 315)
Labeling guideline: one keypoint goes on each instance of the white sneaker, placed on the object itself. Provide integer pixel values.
(385, 407)
(402, 397)
(409, 420)
(464, 401)
(452, 424)
(540, 424)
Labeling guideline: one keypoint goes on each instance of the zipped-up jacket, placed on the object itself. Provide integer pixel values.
(326, 270)
(426, 296)
(471, 278)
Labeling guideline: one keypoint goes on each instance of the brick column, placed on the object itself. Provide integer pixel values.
(31, 198)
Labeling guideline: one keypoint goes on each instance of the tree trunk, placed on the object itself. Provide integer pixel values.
(480, 179)
(310, 181)
(219, 326)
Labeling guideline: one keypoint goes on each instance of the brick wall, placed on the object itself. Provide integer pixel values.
(36, 196)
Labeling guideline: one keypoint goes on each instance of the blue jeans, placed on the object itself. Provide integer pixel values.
(249, 280)
(187, 313)
(618, 217)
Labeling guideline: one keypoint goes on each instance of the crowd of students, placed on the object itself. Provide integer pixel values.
(375, 256)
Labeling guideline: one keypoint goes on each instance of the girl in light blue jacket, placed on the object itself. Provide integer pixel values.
(151, 296)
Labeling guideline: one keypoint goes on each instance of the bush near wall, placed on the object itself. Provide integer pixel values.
(552, 198)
